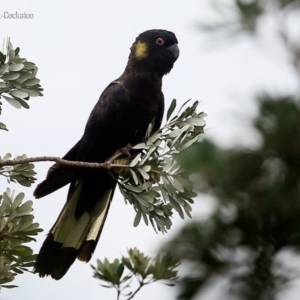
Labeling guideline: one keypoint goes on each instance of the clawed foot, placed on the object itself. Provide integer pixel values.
(125, 151)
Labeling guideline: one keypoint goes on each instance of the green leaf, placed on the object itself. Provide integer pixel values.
(141, 199)
(7, 156)
(15, 103)
(147, 168)
(137, 219)
(15, 67)
(31, 92)
(196, 121)
(11, 55)
(143, 173)
(135, 161)
(133, 188)
(17, 201)
(8, 286)
(3, 126)
(120, 270)
(31, 82)
(10, 76)
(171, 109)
(141, 146)
(17, 51)
(3, 69)
(182, 106)
(192, 141)
(23, 103)
(134, 177)
(2, 58)
(178, 185)
(29, 65)
(19, 94)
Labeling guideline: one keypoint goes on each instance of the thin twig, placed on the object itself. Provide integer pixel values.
(137, 290)
(119, 293)
(106, 165)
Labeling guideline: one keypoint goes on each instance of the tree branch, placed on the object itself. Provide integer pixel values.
(106, 165)
(137, 290)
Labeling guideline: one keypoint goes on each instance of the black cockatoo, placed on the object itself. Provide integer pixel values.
(120, 117)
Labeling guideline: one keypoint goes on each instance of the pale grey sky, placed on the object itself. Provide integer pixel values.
(79, 47)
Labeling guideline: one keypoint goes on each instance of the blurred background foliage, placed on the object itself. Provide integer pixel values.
(248, 248)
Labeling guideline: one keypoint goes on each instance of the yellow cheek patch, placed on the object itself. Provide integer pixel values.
(141, 50)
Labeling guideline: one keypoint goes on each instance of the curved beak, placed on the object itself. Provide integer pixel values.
(174, 49)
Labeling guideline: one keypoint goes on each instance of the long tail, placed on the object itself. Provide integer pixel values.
(58, 175)
(77, 230)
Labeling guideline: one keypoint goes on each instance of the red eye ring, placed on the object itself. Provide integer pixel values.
(160, 41)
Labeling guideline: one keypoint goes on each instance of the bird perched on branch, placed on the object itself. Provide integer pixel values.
(120, 117)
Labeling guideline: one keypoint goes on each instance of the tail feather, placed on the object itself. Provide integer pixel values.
(57, 177)
(72, 237)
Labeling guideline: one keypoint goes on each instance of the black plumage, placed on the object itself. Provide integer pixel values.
(121, 116)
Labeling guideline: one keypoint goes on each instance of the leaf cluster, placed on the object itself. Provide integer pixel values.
(18, 81)
(22, 174)
(143, 268)
(154, 182)
(16, 228)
